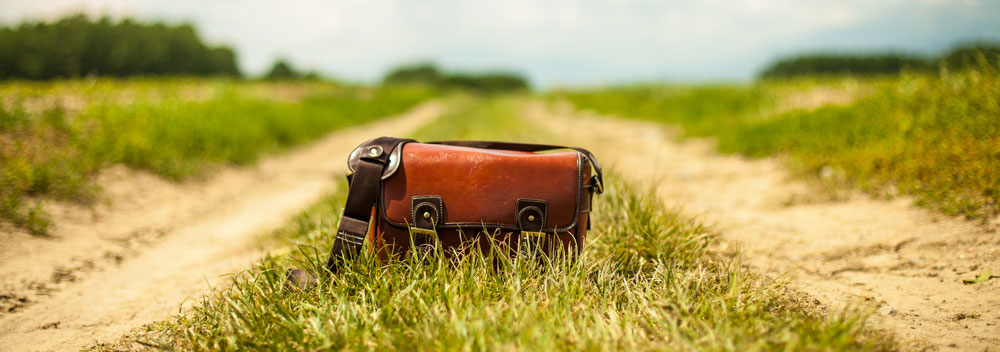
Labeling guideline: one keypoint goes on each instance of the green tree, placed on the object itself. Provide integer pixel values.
(478, 82)
(972, 55)
(423, 73)
(282, 70)
(77, 45)
(850, 64)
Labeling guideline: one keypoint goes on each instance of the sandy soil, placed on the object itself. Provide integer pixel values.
(815, 97)
(906, 263)
(154, 244)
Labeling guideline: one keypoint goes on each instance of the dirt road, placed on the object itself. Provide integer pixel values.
(905, 262)
(156, 244)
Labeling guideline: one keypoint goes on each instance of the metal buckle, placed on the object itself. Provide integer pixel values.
(417, 230)
(424, 239)
(532, 242)
(537, 234)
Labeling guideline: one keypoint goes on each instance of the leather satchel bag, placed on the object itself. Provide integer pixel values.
(465, 195)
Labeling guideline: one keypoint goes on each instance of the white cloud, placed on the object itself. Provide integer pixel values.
(555, 41)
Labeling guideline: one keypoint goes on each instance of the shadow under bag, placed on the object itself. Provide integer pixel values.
(465, 195)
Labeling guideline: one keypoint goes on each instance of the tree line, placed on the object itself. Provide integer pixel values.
(429, 74)
(964, 56)
(77, 45)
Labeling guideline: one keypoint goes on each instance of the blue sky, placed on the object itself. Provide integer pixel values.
(554, 42)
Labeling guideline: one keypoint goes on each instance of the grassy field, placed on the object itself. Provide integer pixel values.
(647, 281)
(936, 137)
(54, 136)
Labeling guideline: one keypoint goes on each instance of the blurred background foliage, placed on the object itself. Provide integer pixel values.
(429, 74)
(77, 46)
(283, 70)
(962, 56)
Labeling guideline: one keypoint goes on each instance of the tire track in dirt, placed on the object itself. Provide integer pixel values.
(156, 244)
(906, 263)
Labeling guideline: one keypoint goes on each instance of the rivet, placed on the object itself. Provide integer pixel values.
(427, 215)
(531, 218)
(373, 152)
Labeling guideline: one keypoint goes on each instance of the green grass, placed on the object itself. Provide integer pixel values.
(934, 137)
(55, 136)
(646, 281)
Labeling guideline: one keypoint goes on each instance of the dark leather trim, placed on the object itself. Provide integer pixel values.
(537, 206)
(588, 201)
(504, 227)
(390, 168)
(352, 230)
(530, 241)
(429, 203)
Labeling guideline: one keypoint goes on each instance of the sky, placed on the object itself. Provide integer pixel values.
(555, 43)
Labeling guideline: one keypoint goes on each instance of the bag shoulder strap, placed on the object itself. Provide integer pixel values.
(361, 195)
(363, 189)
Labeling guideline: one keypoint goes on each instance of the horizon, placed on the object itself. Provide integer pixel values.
(552, 43)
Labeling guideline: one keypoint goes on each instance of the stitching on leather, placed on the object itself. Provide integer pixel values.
(543, 213)
(536, 209)
(434, 202)
(351, 238)
(579, 187)
(421, 204)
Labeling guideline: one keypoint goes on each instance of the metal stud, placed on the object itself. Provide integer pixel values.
(531, 218)
(373, 152)
(427, 215)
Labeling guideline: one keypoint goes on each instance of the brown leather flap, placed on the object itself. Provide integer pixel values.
(481, 186)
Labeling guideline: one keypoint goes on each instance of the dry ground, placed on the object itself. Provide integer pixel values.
(155, 244)
(906, 263)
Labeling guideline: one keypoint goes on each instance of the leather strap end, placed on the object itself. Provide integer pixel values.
(352, 230)
(348, 243)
